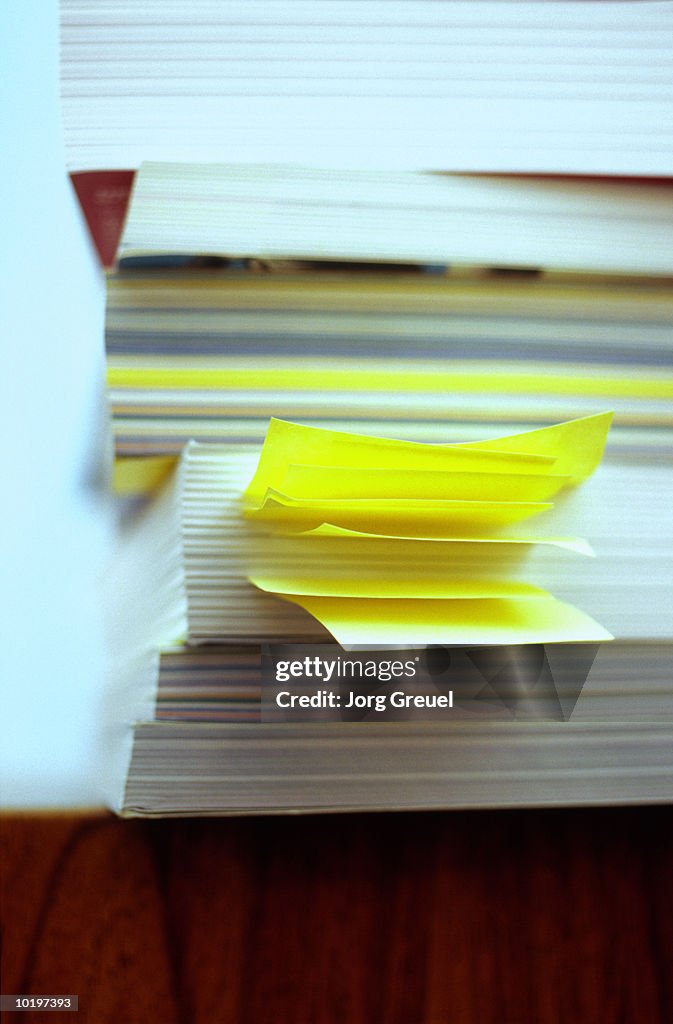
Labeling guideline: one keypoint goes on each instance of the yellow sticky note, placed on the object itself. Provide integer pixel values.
(531, 620)
(338, 482)
(288, 444)
(328, 487)
(415, 517)
(576, 544)
(576, 446)
(396, 586)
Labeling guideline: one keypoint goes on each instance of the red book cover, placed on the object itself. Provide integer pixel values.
(104, 197)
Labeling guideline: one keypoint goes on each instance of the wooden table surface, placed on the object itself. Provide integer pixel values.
(510, 916)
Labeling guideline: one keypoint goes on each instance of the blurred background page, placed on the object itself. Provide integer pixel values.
(56, 527)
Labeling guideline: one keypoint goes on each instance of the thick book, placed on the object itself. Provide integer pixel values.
(290, 214)
(187, 729)
(495, 87)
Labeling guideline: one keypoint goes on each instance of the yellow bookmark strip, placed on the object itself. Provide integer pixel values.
(577, 445)
(325, 531)
(287, 444)
(569, 449)
(390, 587)
(332, 485)
(477, 621)
(395, 516)
(330, 482)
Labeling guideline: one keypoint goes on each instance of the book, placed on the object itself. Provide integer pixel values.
(194, 741)
(514, 87)
(306, 215)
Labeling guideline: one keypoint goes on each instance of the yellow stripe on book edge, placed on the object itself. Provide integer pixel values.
(608, 384)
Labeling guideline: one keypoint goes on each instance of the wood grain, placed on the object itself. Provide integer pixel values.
(547, 916)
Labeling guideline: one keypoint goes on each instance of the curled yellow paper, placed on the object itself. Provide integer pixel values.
(417, 517)
(527, 620)
(396, 586)
(289, 444)
(576, 446)
(577, 544)
(335, 490)
(335, 482)
(573, 449)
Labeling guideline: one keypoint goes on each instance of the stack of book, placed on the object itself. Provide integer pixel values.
(389, 302)
(211, 332)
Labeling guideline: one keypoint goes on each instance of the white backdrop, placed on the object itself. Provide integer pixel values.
(56, 522)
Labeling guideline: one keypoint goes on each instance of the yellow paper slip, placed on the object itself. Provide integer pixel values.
(395, 516)
(288, 444)
(576, 446)
(315, 485)
(576, 544)
(477, 621)
(337, 482)
(569, 449)
(308, 557)
(396, 586)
